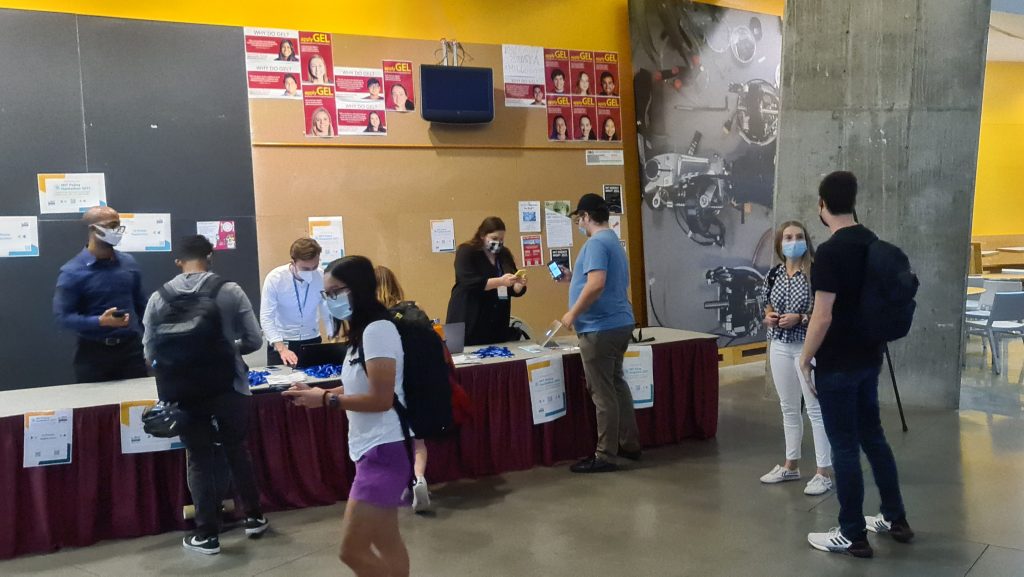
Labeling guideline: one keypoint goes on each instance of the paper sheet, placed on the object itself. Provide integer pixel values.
(529, 216)
(133, 438)
(547, 388)
(638, 368)
(559, 225)
(71, 193)
(220, 233)
(442, 235)
(19, 236)
(329, 231)
(48, 438)
(533, 252)
(146, 232)
(523, 74)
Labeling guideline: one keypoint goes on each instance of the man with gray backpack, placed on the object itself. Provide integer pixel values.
(864, 298)
(197, 327)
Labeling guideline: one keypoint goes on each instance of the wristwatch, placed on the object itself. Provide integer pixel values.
(805, 319)
(333, 401)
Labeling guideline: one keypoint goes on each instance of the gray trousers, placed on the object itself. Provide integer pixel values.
(602, 353)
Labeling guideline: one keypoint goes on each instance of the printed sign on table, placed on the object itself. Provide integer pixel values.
(220, 233)
(19, 236)
(71, 193)
(584, 113)
(329, 231)
(442, 235)
(547, 388)
(559, 118)
(638, 368)
(272, 64)
(320, 110)
(606, 73)
(581, 72)
(134, 439)
(529, 216)
(398, 87)
(609, 119)
(48, 438)
(533, 253)
(146, 232)
(317, 58)
(556, 71)
(523, 73)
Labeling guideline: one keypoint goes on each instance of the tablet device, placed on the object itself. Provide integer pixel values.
(321, 354)
(549, 335)
(455, 337)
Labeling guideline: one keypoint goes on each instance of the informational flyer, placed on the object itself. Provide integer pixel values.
(363, 85)
(220, 233)
(562, 256)
(329, 231)
(547, 388)
(272, 45)
(581, 72)
(523, 73)
(146, 232)
(398, 88)
(442, 235)
(558, 223)
(134, 439)
(19, 236)
(609, 119)
(556, 71)
(606, 73)
(584, 113)
(615, 222)
(533, 252)
(604, 158)
(317, 58)
(320, 111)
(613, 196)
(71, 193)
(559, 118)
(638, 368)
(529, 216)
(48, 438)
(273, 80)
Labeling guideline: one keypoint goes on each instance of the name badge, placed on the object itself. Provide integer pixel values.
(503, 293)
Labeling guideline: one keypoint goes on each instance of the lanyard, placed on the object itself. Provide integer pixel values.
(302, 303)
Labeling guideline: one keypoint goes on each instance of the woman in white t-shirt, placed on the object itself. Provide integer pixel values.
(371, 377)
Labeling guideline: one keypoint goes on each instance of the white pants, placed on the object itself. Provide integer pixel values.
(790, 384)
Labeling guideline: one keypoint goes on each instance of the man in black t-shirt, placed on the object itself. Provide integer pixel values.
(846, 377)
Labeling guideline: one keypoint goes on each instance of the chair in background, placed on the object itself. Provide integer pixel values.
(974, 301)
(1005, 322)
(992, 288)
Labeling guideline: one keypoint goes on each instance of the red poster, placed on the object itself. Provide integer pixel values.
(581, 72)
(356, 121)
(317, 58)
(533, 253)
(398, 87)
(559, 117)
(556, 70)
(272, 44)
(606, 73)
(609, 119)
(584, 116)
(273, 80)
(320, 111)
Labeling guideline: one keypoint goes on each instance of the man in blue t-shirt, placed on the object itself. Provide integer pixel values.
(600, 311)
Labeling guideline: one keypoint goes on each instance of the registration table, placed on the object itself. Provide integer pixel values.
(301, 456)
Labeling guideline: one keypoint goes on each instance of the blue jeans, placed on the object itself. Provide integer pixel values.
(849, 407)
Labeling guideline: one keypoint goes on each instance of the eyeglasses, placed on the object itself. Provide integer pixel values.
(117, 229)
(334, 294)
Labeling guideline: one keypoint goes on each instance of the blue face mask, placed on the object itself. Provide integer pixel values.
(794, 248)
(340, 307)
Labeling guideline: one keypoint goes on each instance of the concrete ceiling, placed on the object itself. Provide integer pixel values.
(1006, 37)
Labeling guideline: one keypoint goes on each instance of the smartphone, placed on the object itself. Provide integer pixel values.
(119, 313)
(521, 273)
(555, 270)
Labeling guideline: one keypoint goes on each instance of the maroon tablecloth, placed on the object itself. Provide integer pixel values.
(301, 456)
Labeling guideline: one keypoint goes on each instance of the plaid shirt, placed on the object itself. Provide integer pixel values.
(789, 295)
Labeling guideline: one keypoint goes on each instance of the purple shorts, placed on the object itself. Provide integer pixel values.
(382, 476)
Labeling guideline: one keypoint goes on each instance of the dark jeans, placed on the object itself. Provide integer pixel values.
(274, 358)
(849, 407)
(214, 436)
(96, 361)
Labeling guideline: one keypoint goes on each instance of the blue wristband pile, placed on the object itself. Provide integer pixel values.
(323, 371)
(493, 352)
(258, 378)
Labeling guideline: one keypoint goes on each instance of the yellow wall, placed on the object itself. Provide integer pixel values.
(999, 191)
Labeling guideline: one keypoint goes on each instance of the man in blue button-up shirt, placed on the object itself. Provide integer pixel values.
(99, 297)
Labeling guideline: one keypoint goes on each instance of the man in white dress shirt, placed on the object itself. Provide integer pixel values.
(292, 304)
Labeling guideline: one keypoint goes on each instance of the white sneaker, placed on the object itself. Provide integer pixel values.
(420, 496)
(877, 524)
(835, 542)
(818, 485)
(780, 474)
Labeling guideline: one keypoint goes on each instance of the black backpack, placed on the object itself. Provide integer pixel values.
(887, 298)
(428, 392)
(193, 360)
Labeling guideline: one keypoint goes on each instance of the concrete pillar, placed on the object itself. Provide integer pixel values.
(891, 90)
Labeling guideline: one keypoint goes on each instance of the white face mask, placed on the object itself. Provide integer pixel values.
(306, 275)
(109, 236)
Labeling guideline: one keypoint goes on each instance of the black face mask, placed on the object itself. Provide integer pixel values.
(822, 218)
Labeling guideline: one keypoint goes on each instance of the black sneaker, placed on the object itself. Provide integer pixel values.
(900, 529)
(255, 526)
(631, 455)
(204, 545)
(594, 464)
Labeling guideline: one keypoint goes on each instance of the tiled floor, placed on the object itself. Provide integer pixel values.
(695, 509)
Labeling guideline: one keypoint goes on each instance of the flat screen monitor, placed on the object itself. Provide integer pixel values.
(457, 94)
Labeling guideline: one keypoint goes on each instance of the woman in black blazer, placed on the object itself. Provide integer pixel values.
(485, 281)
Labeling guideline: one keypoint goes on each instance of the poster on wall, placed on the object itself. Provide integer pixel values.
(320, 111)
(533, 252)
(329, 231)
(48, 438)
(529, 216)
(558, 223)
(609, 119)
(134, 439)
(363, 85)
(556, 70)
(584, 111)
(523, 73)
(606, 73)
(399, 93)
(562, 257)
(272, 64)
(708, 139)
(272, 45)
(220, 233)
(613, 196)
(146, 232)
(559, 118)
(442, 235)
(581, 72)
(317, 58)
(547, 388)
(19, 236)
(71, 193)
(615, 223)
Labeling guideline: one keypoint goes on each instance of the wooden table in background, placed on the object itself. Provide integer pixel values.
(975, 290)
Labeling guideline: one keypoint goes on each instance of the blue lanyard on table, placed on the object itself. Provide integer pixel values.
(302, 303)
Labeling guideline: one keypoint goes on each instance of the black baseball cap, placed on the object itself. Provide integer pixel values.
(590, 202)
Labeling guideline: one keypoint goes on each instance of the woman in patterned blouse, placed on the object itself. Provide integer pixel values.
(790, 300)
